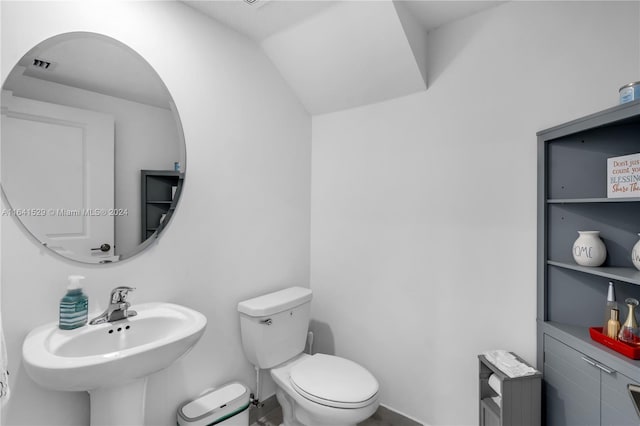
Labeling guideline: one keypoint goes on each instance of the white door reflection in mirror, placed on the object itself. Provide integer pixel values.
(88, 73)
(58, 173)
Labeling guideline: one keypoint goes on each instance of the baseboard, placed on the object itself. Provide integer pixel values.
(387, 416)
(265, 407)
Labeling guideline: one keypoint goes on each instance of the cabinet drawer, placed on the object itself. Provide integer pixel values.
(570, 363)
(572, 386)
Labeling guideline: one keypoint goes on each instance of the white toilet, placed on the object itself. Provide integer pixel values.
(313, 390)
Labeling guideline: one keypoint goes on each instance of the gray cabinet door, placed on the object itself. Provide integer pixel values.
(488, 416)
(572, 386)
(617, 408)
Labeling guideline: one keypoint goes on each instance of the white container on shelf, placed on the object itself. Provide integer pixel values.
(589, 249)
(635, 254)
(629, 92)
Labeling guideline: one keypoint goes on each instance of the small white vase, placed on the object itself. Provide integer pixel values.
(635, 255)
(589, 250)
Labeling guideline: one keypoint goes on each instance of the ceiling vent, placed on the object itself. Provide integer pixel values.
(41, 64)
(257, 3)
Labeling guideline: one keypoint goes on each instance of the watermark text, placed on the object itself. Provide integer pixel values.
(50, 212)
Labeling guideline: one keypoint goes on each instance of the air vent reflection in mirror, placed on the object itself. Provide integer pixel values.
(40, 63)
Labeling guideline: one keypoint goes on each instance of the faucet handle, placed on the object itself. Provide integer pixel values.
(119, 294)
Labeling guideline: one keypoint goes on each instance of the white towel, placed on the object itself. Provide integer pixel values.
(508, 364)
(495, 384)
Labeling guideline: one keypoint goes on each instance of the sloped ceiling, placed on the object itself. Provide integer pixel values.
(343, 54)
(351, 54)
(261, 19)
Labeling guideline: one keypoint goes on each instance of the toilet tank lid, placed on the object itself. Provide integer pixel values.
(273, 303)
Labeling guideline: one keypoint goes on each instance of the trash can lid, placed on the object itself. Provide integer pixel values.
(217, 404)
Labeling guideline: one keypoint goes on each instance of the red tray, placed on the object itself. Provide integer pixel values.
(625, 349)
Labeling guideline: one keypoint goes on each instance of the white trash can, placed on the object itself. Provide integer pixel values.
(227, 405)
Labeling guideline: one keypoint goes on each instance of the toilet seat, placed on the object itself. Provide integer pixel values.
(333, 381)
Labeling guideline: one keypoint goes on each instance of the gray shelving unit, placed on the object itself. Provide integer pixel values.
(156, 187)
(584, 382)
(521, 403)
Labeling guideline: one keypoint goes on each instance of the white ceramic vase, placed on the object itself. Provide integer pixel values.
(589, 250)
(635, 255)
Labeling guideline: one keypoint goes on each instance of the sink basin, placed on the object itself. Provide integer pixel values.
(103, 355)
(112, 360)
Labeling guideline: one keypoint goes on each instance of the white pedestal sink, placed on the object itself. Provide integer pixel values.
(112, 360)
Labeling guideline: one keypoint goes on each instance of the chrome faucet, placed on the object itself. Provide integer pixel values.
(118, 307)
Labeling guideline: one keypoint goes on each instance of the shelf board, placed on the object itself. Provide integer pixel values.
(629, 275)
(592, 200)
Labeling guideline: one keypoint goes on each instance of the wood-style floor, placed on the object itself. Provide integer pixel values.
(274, 418)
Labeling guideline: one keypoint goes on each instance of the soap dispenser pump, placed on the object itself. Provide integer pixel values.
(74, 306)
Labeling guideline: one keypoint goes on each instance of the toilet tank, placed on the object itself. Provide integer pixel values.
(274, 326)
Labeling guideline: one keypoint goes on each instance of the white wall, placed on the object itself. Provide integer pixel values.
(424, 208)
(242, 226)
(146, 138)
(3, 360)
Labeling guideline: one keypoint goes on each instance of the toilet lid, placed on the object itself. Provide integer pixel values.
(333, 381)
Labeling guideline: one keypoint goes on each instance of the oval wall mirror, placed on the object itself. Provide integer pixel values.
(92, 149)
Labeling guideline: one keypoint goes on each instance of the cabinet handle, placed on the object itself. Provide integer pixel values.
(588, 361)
(605, 369)
(598, 365)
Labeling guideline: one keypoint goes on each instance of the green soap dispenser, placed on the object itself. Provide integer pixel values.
(74, 306)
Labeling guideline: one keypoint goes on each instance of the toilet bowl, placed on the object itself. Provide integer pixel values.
(313, 390)
(324, 390)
